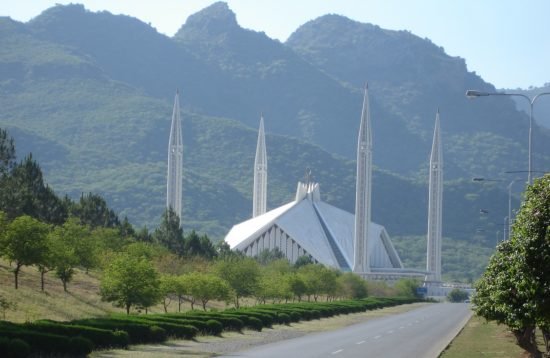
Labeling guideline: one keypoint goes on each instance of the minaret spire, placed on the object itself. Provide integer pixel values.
(363, 190)
(435, 200)
(259, 203)
(174, 185)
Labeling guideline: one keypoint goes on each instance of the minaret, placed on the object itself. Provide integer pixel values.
(175, 162)
(363, 190)
(260, 174)
(435, 200)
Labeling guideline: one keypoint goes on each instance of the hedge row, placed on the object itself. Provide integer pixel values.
(80, 337)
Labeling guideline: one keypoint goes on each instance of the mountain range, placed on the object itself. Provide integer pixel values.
(90, 95)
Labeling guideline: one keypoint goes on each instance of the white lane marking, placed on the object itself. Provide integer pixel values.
(338, 351)
(409, 324)
(377, 337)
(402, 327)
(389, 332)
(360, 342)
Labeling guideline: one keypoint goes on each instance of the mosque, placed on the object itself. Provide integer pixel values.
(332, 236)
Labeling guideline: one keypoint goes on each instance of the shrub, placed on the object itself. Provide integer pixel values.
(255, 324)
(138, 331)
(215, 328)
(80, 346)
(101, 338)
(14, 348)
(284, 318)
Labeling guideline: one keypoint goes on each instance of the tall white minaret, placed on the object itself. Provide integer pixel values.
(259, 203)
(435, 200)
(363, 190)
(174, 185)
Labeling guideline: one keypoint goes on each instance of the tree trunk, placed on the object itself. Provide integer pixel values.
(546, 336)
(42, 273)
(16, 274)
(204, 304)
(64, 285)
(525, 338)
(179, 303)
(127, 309)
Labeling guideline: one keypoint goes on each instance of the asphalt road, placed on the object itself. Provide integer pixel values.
(421, 333)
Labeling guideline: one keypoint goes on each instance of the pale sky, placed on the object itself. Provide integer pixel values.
(507, 42)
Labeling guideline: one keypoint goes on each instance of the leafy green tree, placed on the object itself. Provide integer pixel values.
(92, 210)
(267, 255)
(352, 285)
(241, 273)
(6, 305)
(318, 280)
(130, 281)
(302, 261)
(24, 243)
(297, 286)
(457, 295)
(72, 246)
(144, 235)
(169, 233)
(514, 288)
(167, 287)
(208, 249)
(204, 287)
(407, 287)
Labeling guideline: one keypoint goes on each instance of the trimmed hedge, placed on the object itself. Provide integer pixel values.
(45, 343)
(14, 348)
(101, 338)
(138, 331)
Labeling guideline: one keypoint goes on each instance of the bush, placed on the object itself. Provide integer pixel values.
(255, 324)
(138, 331)
(80, 346)
(14, 348)
(101, 338)
(284, 318)
(215, 328)
(45, 343)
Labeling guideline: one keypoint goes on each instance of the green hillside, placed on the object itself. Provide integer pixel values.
(90, 95)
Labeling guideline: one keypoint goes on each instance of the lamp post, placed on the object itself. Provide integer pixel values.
(507, 219)
(475, 93)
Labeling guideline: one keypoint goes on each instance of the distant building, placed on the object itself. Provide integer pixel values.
(308, 226)
(174, 182)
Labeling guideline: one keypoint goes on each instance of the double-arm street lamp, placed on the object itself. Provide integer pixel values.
(475, 93)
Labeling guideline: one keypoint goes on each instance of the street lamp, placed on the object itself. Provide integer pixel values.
(507, 228)
(474, 94)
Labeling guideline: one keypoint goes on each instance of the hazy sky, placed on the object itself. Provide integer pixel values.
(507, 42)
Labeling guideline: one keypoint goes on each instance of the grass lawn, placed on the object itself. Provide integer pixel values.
(481, 339)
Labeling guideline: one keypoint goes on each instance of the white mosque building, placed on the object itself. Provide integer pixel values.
(329, 235)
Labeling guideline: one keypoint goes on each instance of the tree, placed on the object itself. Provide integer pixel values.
(352, 285)
(318, 280)
(169, 233)
(23, 192)
(457, 295)
(514, 288)
(6, 305)
(204, 287)
(242, 275)
(167, 287)
(302, 261)
(130, 281)
(24, 243)
(71, 246)
(7, 152)
(406, 287)
(267, 255)
(92, 210)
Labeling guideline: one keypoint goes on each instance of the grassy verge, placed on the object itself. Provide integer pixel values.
(482, 339)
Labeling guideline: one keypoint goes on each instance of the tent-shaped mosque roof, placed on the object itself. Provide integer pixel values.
(309, 226)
